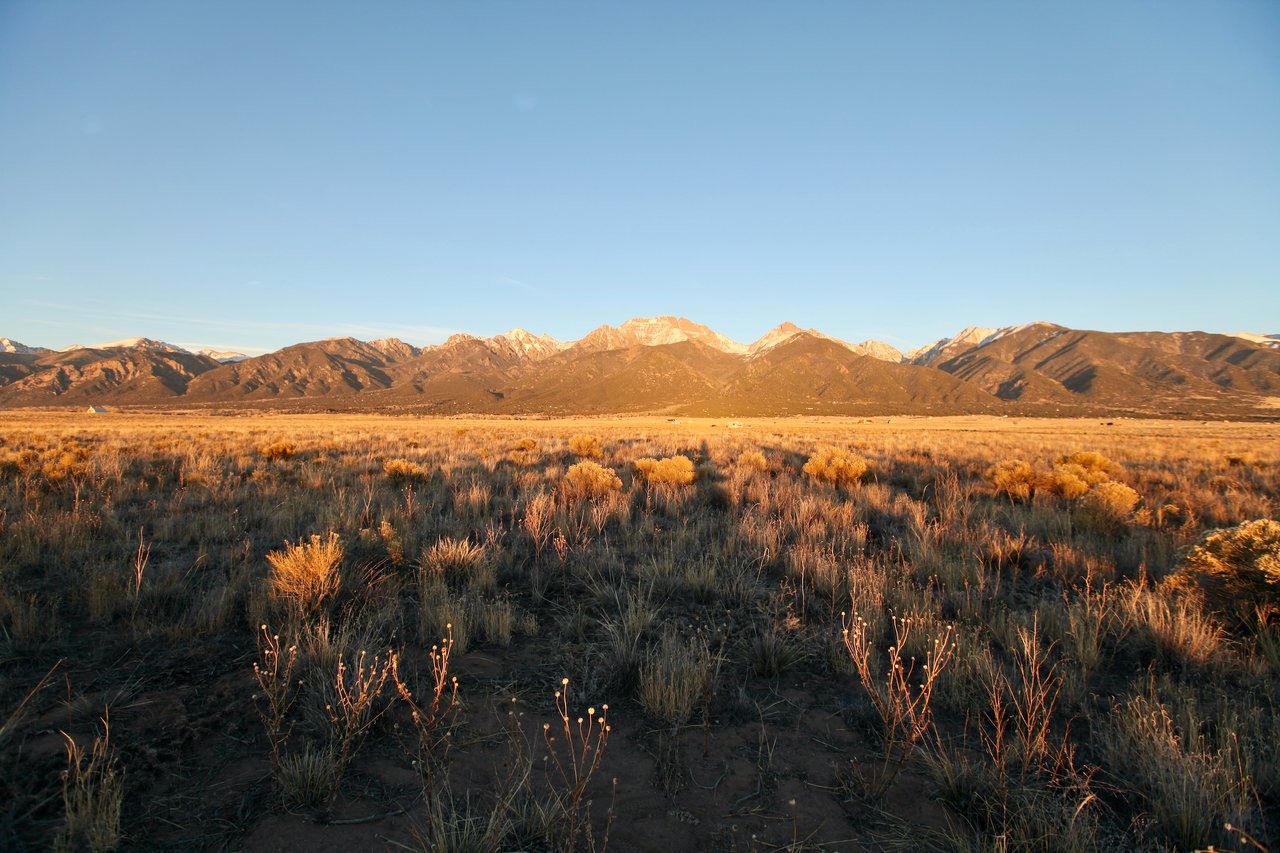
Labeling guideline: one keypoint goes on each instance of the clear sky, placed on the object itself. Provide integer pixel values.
(250, 174)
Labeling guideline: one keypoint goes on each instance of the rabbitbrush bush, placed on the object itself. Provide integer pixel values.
(588, 480)
(672, 471)
(836, 466)
(752, 460)
(1236, 569)
(1012, 477)
(585, 446)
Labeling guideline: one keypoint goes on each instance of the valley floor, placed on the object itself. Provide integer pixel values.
(742, 616)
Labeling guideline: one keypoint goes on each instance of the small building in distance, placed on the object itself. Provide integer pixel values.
(97, 410)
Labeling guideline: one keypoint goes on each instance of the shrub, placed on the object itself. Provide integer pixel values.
(1236, 569)
(71, 464)
(404, 471)
(1096, 468)
(307, 573)
(1108, 505)
(836, 466)
(526, 445)
(278, 450)
(587, 480)
(672, 471)
(585, 446)
(1066, 480)
(752, 460)
(1012, 477)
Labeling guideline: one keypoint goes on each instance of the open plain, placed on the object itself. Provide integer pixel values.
(332, 632)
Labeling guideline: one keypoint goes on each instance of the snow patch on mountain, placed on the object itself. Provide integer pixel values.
(1272, 341)
(132, 343)
(972, 336)
(10, 345)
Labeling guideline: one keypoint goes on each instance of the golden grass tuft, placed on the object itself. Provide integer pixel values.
(404, 471)
(307, 573)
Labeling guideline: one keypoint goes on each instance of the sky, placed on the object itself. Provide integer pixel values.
(248, 175)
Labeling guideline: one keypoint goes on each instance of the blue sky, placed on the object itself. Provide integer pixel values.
(250, 175)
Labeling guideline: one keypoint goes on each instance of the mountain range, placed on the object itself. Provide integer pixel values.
(672, 365)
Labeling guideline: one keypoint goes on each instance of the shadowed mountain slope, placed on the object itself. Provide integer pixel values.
(335, 367)
(123, 375)
(1137, 369)
(811, 375)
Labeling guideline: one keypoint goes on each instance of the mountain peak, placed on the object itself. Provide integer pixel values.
(132, 343)
(10, 345)
(657, 331)
(525, 344)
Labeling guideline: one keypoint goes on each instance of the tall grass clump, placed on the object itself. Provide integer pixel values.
(306, 574)
(92, 795)
(402, 471)
(673, 677)
(461, 563)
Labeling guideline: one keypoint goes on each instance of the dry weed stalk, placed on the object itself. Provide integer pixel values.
(433, 713)
(576, 759)
(274, 672)
(904, 709)
(356, 693)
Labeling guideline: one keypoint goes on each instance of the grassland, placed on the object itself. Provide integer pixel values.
(244, 633)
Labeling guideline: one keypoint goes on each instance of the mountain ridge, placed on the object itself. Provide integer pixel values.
(671, 364)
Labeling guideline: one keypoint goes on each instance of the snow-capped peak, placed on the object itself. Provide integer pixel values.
(655, 331)
(658, 331)
(1272, 341)
(972, 336)
(394, 347)
(222, 356)
(525, 344)
(10, 345)
(786, 331)
(132, 343)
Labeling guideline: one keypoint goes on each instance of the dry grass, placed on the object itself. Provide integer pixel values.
(306, 574)
(1113, 685)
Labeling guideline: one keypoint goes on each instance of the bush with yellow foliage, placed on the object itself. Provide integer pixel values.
(836, 466)
(589, 480)
(672, 471)
(585, 446)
